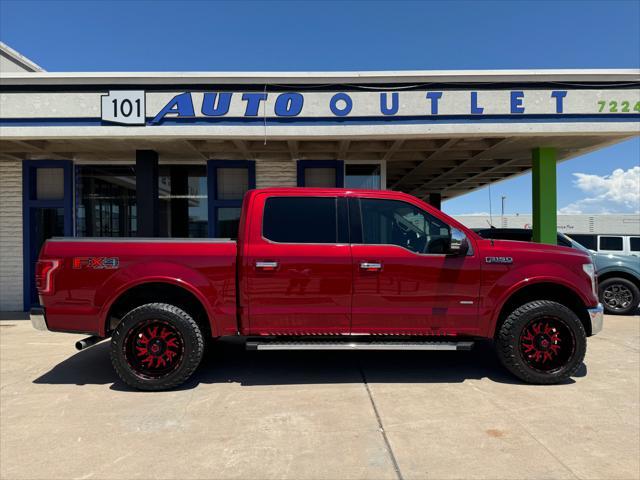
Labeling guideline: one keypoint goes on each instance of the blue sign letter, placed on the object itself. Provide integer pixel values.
(212, 109)
(334, 108)
(181, 105)
(474, 104)
(289, 104)
(516, 102)
(559, 96)
(394, 103)
(253, 103)
(434, 97)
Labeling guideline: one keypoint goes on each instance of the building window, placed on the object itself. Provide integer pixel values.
(106, 201)
(370, 175)
(320, 173)
(182, 194)
(228, 182)
(362, 176)
(49, 183)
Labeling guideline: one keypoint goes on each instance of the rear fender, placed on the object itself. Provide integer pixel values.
(156, 272)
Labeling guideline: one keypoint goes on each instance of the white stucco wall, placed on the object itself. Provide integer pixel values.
(10, 236)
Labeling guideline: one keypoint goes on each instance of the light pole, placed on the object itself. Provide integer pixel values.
(502, 211)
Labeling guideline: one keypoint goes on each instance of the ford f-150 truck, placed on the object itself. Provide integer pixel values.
(330, 269)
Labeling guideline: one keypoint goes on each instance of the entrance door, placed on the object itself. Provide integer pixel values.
(47, 206)
(403, 281)
(297, 270)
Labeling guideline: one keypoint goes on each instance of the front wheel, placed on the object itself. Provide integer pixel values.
(156, 347)
(542, 342)
(619, 296)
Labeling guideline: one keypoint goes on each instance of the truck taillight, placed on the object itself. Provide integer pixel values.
(44, 275)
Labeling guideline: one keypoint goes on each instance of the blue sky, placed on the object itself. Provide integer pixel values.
(304, 35)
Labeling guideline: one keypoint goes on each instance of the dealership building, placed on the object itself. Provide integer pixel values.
(171, 154)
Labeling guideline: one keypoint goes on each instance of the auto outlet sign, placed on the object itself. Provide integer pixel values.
(127, 107)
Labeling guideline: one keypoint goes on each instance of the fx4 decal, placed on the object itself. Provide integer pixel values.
(97, 263)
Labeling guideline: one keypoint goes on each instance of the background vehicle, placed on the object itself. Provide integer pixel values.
(618, 275)
(614, 244)
(329, 269)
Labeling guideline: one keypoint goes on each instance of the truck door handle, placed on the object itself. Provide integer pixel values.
(371, 266)
(267, 265)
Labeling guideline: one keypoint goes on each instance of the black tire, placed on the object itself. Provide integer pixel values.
(164, 360)
(619, 296)
(560, 339)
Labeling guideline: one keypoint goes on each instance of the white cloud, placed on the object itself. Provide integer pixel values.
(618, 192)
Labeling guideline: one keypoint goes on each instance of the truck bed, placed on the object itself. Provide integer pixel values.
(93, 273)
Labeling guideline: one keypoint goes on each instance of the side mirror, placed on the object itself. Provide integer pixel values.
(459, 245)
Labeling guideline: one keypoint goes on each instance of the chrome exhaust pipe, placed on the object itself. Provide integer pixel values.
(87, 342)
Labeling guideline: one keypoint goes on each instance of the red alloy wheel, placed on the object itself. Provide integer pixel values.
(547, 344)
(153, 349)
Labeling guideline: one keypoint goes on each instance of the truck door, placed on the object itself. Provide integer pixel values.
(404, 282)
(297, 269)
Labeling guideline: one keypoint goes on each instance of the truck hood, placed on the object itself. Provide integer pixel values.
(603, 260)
(543, 248)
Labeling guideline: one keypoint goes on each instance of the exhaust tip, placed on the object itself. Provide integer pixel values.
(87, 342)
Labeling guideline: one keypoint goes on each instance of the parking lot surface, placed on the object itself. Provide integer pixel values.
(318, 415)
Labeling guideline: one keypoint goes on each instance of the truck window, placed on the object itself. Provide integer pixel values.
(393, 222)
(634, 243)
(611, 243)
(300, 220)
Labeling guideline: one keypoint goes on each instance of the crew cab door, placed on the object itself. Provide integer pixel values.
(297, 269)
(404, 280)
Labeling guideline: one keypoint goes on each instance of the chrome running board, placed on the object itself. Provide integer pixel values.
(266, 344)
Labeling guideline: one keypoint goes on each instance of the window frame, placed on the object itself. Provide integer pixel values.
(212, 189)
(359, 223)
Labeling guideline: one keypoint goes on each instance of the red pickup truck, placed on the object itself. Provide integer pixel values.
(330, 269)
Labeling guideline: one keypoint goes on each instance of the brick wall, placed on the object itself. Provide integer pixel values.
(10, 236)
(275, 174)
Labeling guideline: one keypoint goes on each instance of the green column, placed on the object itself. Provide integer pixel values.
(545, 224)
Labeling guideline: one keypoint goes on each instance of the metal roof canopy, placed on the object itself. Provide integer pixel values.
(452, 159)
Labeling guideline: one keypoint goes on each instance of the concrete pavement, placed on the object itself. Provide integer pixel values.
(318, 415)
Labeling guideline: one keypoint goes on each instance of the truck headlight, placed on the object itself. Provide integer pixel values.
(590, 270)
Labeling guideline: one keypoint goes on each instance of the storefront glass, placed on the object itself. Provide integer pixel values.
(106, 201)
(182, 192)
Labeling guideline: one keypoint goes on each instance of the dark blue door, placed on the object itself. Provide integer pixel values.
(47, 212)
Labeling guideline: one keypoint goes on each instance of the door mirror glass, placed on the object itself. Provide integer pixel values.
(459, 244)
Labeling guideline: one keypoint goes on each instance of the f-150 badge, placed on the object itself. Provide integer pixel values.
(498, 259)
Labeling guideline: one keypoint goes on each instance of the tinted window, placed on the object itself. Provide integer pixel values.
(588, 241)
(300, 220)
(611, 243)
(635, 244)
(392, 222)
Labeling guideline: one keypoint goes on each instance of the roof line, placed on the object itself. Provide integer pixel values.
(20, 59)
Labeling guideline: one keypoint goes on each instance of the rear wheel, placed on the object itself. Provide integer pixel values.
(156, 347)
(619, 296)
(542, 342)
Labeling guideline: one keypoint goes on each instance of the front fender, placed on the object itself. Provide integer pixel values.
(517, 279)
